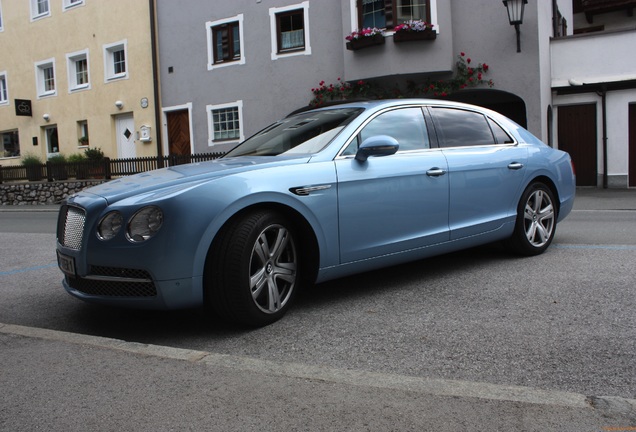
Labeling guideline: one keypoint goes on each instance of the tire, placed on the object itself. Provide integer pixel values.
(536, 221)
(253, 272)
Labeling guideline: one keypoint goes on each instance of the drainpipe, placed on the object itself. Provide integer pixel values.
(155, 80)
(603, 95)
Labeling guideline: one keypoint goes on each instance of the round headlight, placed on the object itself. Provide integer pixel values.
(144, 224)
(109, 226)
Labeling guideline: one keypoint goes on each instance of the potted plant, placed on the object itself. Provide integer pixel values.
(33, 165)
(364, 38)
(57, 164)
(83, 141)
(413, 30)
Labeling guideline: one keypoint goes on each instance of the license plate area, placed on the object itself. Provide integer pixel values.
(66, 264)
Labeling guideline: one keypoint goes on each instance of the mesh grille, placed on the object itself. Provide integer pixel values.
(114, 288)
(71, 228)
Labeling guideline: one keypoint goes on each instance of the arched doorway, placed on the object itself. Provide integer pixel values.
(508, 104)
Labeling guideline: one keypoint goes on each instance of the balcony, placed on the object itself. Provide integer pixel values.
(594, 7)
(585, 60)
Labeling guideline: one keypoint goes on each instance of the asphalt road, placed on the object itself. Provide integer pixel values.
(562, 321)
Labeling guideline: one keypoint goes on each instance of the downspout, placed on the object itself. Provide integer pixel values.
(603, 95)
(155, 80)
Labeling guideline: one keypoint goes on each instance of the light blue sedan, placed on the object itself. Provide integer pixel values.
(316, 196)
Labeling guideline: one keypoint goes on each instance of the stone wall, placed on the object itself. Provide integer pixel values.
(41, 193)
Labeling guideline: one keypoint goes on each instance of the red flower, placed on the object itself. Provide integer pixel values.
(360, 82)
(468, 60)
(462, 54)
(485, 67)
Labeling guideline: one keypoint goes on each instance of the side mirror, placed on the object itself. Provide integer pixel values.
(379, 145)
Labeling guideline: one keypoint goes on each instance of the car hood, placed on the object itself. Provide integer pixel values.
(187, 175)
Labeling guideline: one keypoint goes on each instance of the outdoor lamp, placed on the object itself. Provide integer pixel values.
(515, 15)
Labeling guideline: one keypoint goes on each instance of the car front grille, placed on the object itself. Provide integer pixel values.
(114, 282)
(70, 227)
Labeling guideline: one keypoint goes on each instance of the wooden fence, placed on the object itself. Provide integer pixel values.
(106, 168)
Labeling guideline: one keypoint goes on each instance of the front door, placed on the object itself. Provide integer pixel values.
(390, 204)
(125, 132)
(179, 132)
(577, 136)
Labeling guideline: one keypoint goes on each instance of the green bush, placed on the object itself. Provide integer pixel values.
(58, 158)
(30, 159)
(76, 157)
(94, 154)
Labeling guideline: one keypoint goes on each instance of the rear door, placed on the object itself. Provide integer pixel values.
(393, 203)
(486, 170)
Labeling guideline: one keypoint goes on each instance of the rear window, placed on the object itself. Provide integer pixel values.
(461, 128)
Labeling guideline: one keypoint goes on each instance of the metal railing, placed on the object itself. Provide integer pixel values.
(104, 169)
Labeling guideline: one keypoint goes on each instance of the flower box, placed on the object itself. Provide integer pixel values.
(407, 36)
(365, 42)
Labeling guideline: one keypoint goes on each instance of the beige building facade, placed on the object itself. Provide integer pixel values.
(74, 75)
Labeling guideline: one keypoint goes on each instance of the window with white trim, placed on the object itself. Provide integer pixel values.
(52, 140)
(40, 9)
(4, 89)
(290, 30)
(225, 123)
(77, 66)
(68, 4)
(1, 25)
(225, 42)
(45, 78)
(115, 61)
(389, 13)
(10, 142)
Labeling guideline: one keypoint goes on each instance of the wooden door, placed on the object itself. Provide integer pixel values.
(577, 135)
(179, 132)
(632, 145)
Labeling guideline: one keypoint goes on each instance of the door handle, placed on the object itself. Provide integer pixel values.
(435, 172)
(515, 166)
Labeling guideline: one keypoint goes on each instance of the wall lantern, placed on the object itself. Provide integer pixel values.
(515, 15)
(119, 104)
(46, 117)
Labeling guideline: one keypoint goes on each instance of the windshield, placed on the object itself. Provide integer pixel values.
(299, 134)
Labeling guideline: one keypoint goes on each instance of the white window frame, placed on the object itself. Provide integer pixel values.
(4, 89)
(35, 15)
(39, 78)
(1, 20)
(109, 61)
(273, 30)
(70, 4)
(210, 36)
(433, 18)
(209, 108)
(71, 67)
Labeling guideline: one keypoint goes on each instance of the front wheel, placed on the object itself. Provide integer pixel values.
(536, 221)
(253, 272)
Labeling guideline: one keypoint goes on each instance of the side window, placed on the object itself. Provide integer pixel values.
(460, 128)
(501, 135)
(406, 125)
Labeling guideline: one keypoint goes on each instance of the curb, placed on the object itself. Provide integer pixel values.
(436, 387)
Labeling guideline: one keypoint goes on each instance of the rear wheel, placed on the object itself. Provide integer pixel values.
(253, 272)
(536, 221)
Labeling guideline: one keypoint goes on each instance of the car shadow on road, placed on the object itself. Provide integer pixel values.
(185, 326)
